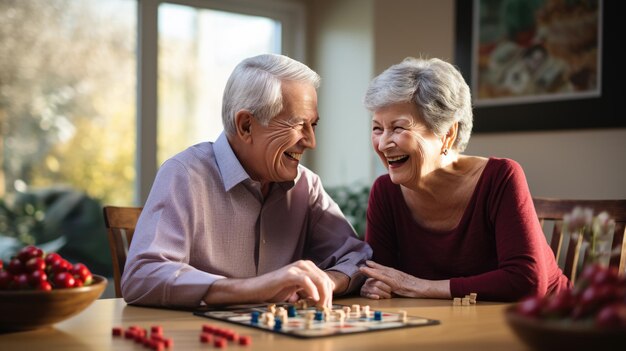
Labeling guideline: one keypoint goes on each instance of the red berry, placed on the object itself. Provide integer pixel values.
(34, 278)
(64, 280)
(21, 281)
(6, 278)
(35, 264)
(558, 305)
(51, 258)
(82, 273)
(28, 252)
(530, 306)
(43, 286)
(612, 316)
(15, 266)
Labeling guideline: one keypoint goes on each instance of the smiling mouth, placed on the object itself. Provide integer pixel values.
(293, 155)
(397, 159)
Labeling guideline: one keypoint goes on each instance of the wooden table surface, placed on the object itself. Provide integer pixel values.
(476, 327)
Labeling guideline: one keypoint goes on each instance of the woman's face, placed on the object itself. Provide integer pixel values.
(406, 146)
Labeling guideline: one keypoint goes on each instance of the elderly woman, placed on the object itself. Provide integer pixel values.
(443, 224)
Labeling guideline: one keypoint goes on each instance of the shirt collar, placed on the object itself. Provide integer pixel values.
(231, 169)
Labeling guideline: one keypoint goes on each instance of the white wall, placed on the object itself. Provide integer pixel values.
(354, 40)
(342, 53)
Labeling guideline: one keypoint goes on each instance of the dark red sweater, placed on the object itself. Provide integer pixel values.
(498, 250)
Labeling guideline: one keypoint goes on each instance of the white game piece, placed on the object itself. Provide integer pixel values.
(465, 301)
(366, 311)
(403, 316)
(473, 297)
(346, 310)
(456, 301)
(357, 311)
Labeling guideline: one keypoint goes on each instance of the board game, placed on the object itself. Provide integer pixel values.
(308, 322)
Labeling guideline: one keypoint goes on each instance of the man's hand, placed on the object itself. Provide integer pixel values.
(301, 279)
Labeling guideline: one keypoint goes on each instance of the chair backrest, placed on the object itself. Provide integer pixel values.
(120, 223)
(567, 250)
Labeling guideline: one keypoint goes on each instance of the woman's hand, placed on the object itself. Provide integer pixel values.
(384, 282)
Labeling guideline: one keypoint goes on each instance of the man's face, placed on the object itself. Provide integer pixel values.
(279, 146)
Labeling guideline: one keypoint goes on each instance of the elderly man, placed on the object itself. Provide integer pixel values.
(239, 220)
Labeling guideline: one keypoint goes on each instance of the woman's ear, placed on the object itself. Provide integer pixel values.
(243, 123)
(450, 137)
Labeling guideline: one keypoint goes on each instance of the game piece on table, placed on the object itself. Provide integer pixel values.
(341, 317)
(156, 329)
(254, 317)
(117, 331)
(378, 316)
(278, 324)
(366, 311)
(205, 338)
(465, 301)
(272, 308)
(346, 309)
(245, 340)
(456, 301)
(291, 311)
(403, 316)
(318, 316)
(472, 297)
(357, 310)
(219, 343)
(168, 342)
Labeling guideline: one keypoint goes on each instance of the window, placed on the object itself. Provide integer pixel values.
(198, 49)
(67, 96)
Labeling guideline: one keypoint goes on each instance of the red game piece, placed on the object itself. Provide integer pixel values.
(205, 338)
(117, 331)
(207, 328)
(245, 340)
(168, 342)
(156, 329)
(220, 343)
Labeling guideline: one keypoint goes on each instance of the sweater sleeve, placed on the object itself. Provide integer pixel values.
(523, 265)
(380, 233)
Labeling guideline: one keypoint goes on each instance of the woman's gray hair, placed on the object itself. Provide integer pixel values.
(255, 86)
(437, 89)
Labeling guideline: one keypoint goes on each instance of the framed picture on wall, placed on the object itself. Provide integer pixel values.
(539, 65)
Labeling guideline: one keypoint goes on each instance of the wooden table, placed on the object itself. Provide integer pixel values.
(475, 327)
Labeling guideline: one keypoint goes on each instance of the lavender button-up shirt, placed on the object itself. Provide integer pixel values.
(205, 219)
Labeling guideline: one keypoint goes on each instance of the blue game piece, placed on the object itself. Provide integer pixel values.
(378, 316)
(278, 324)
(291, 311)
(319, 316)
(254, 317)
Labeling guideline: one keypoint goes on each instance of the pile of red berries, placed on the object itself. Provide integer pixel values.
(598, 298)
(32, 269)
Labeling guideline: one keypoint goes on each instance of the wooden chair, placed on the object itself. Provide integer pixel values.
(120, 223)
(568, 250)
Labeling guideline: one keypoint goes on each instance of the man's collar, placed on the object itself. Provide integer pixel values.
(230, 168)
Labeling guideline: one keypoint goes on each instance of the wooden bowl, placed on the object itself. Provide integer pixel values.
(563, 334)
(31, 309)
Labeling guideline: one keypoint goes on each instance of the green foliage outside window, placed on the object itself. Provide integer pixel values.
(352, 201)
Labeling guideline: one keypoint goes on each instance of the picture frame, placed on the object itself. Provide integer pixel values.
(591, 111)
